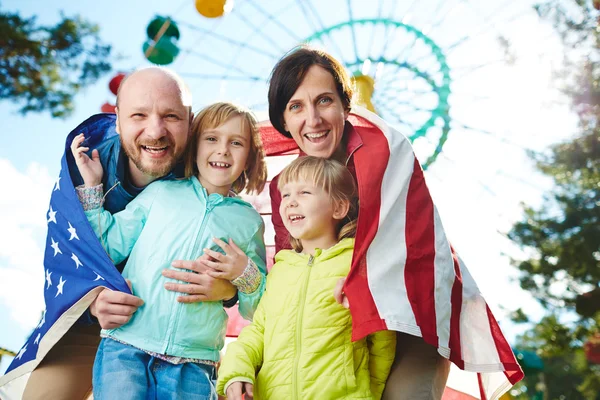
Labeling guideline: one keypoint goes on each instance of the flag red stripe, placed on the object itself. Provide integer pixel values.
(481, 387)
(456, 305)
(419, 270)
(512, 370)
(371, 160)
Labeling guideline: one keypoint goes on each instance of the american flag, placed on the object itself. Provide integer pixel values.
(76, 267)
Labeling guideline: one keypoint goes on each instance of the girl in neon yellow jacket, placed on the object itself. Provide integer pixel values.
(299, 343)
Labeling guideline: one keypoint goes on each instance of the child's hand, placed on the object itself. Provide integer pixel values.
(338, 293)
(229, 265)
(236, 389)
(90, 168)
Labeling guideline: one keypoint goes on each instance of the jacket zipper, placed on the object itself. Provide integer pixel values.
(299, 318)
(179, 306)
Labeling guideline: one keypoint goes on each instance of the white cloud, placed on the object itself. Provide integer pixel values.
(23, 206)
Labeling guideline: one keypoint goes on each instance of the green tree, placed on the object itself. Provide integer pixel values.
(563, 235)
(42, 68)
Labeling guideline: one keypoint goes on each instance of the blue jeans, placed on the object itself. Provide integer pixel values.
(124, 372)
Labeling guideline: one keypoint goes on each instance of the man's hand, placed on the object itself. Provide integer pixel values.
(114, 309)
(338, 293)
(199, 286)
(236, 389)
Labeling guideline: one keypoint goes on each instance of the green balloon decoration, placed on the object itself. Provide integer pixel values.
(161, 46)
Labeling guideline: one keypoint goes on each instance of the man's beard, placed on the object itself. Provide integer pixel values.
(150, 167)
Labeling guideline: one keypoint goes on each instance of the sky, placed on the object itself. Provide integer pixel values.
(479, 181)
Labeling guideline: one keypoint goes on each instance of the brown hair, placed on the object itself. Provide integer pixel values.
(288, 74)
(331, 176)
(255, 175)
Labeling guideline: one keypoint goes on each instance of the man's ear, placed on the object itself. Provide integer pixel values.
(117, 121)
(340, 209)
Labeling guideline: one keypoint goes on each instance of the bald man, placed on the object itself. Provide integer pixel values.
(153, 121)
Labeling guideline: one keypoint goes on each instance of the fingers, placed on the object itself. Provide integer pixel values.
(215, 255)
(189, 277)
(192, 265)
(114, 309)
(95, 155)
(129, 284)
(338, 291)
(196, 298)
(109, 296)
(185, 288)
(249, 388)
(217, 274)
(226, 248)
(235, 247)
(234, 391)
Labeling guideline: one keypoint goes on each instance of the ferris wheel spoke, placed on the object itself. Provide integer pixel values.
(229, 40)
(463, 72)
(245, 77)
(258, 30)
(352, 30)
(321, 26)
(372, 39)
(449, 11)
(276, 21)
(219, 63)
(460, 42)
(494, 135)
(486, 18)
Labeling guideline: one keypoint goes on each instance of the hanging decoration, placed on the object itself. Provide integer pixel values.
(213, 8)
(115, 82)
(108, 108)
(161, 47)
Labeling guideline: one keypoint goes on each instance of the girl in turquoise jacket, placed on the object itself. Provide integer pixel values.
(170, 349)
(299, 345)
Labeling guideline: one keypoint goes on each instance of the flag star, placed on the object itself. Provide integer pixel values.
(51, 215)
(37, 339)
(43, 321)
(98, 277)
(73, 232)
(76, 259)
(48, 273)
(59, 287)
(55, 247)
(23, 350)
(57, 184)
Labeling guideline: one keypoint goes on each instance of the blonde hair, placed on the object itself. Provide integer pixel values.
(331, 176)
(255, 175)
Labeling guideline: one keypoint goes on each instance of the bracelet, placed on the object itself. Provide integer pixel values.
(249, 280)
(90, 197)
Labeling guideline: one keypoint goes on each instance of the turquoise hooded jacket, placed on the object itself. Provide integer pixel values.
(176, 220)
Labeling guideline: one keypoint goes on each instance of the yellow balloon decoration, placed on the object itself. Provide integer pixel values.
(365, 85)
(212, 8)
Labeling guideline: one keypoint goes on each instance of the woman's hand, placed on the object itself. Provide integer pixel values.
(90, 168)
(338, 293)
(236, 389)
(226, 266)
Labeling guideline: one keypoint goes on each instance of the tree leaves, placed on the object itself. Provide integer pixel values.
(43, 68)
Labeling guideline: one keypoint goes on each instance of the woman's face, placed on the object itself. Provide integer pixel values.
(315, 115)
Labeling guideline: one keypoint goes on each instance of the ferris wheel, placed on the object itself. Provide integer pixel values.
(412, 61)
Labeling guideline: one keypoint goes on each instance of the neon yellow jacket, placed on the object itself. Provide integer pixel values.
(299, 341)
